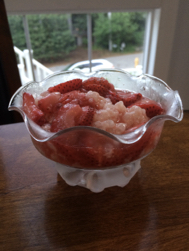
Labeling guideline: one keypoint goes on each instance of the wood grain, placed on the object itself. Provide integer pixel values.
(38, 211)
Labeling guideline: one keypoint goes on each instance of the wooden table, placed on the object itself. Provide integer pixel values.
(38, 211)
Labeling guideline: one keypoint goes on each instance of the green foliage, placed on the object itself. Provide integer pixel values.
(123, 27)
(52, 39)
(79, 23)
(17, 31)
(50, 36)
(102, 31)
(79, 26)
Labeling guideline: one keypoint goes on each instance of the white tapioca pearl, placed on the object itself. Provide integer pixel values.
(119, 128)
(120, 107)
(106, 125)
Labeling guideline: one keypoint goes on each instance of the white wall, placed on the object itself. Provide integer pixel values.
(172, 55)
(178, 75)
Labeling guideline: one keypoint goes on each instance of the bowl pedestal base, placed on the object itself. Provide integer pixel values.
(98, 180)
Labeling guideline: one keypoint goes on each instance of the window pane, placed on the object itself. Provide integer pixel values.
(59, 41)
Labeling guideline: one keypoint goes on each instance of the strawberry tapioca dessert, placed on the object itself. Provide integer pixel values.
(92, 102)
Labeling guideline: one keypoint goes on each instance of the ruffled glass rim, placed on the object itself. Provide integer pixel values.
(41, 135)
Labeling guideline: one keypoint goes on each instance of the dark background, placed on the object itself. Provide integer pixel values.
(9, 75)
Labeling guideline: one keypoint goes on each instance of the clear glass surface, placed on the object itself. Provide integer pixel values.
(79, 147)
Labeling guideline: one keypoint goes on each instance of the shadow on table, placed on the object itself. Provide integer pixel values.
(78, 219)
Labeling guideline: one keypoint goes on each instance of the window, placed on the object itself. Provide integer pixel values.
(65, 42)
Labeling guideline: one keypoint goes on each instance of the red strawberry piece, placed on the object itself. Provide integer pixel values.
(31, 110)
(126, 153)
(79, 152)
(66, 148)
(86, 117)
(85, 157)
(136, 150)
(70, 149)
(47, 103)
(63, 152)
(69, 97)
(152, 108)
(106, 84)
(113, 96)
(116, 158)
(89, 149)
(74, 97)
(129, 98)
(96, 88)
(91, 160)
(68, 86)
(101, 151)
(99, 81)
(65, 117)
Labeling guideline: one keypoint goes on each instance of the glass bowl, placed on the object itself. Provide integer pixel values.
(91, 157)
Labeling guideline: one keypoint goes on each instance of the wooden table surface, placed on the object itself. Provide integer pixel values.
(38, 211)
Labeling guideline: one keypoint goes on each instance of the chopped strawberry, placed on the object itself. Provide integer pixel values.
(86, 116)
(47, 103)
(113, 96)
(72, 150)
(99, 81)
(74, 97)
(152, 108)
(85, 157)
(63, 152)
(65, 117)
(117, 157)
(100, 151)
(136, 150)
(91, 149)
(129, 98)
(100, 85)
(68, 86)
(31, 110)
(96, 88)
